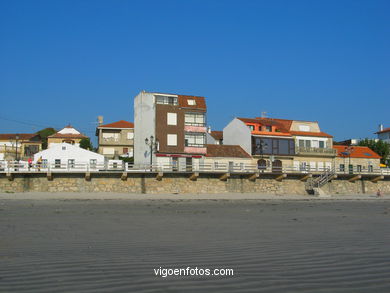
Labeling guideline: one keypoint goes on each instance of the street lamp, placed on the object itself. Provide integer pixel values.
(16, 149)
(152, 143)
(349, 150)
(261, 146)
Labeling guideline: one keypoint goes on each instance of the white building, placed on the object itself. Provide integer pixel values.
(68, 156)
(383, 133)
(68, 134)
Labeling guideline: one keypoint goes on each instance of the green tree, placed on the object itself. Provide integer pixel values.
(380, 147)
(44, 133)
(86, 143)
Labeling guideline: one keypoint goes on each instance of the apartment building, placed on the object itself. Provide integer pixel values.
(19, 146)
(68, 134)
(281, 143)
(169, 128)
(116, 139)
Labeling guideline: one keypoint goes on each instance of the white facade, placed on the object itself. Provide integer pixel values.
(238, 133)
(144, 126)
(64, 154)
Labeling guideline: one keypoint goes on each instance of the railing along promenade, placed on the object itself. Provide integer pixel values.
(24, 167)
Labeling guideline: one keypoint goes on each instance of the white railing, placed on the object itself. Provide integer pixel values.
(110, 166)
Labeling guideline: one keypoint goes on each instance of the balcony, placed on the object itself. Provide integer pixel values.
(310, 151)
(194, 128)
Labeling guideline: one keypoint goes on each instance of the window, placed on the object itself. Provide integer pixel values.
(268, 128)
(125, 150)
(322, 144)
(195, 119)
(359, 168)
(171, 118)
(307, 143)
(111, 136)
(64, 148)
(195, 139)
(342, 167)
(304, 128)
(108, 151)
(71, 163)
(93, 163)
(272, 146)
(44, 163)
(301, 143)
(251, 127)
(370, 168)
(57, 163)
(130, 135)
(172, 139)
(166, 100)
(191, 102)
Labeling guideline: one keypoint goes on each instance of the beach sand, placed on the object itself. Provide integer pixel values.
(59, 244)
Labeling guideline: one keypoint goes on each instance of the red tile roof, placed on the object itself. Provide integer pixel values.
(384, 130)
(200, 103)
(118, 124)
(307, 133)
(218, 135)
(12, 136)
(357, 152)
(231, 151)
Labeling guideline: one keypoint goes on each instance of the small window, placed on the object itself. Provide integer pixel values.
(342, 167)
(57, 163)
(268, 128)
(172, 139)
(71, 163)
(359, 168)
(93, 163)
(251, 127)
(322, 144)
(308, 143)
(130, 135)
(171, 118)
(64, 148)
(191, 102)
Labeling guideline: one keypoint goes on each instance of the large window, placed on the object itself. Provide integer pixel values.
(272, 146)
(111, 136)
(195, 139)
(166, 100)
(195, 119)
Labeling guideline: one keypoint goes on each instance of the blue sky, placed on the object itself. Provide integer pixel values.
(70, 61)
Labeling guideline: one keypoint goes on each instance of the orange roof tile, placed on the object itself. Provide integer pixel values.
(357, 152)
(118, 124)
(12, 136)
(223, 150)
(307, 133)
(383, 131)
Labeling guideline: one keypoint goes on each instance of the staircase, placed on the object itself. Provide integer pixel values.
(314, 185)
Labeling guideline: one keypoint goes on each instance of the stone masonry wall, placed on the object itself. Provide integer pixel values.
(179, 183)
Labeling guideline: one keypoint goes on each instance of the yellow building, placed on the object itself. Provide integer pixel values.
(20, 146)
(68, 135)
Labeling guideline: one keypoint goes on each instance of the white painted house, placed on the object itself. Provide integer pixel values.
(384, 133)
(67, 156)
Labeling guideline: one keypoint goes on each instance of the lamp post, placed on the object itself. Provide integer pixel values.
(349, 150)
(261, 146)
(152, 143)
(16, 149)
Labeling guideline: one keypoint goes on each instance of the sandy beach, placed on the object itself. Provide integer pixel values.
(113, 243)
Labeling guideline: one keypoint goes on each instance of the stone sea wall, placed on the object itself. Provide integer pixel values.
(178, 183)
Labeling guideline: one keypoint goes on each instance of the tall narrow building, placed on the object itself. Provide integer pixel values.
(176, 126)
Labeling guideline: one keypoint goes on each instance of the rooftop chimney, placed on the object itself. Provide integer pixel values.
(100, 120)
(209, 129)
(380, 127)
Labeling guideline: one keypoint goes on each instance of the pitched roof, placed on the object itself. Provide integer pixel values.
(357, 152)
(200, 103)
(12, 136)
(223, 150)
(66, 135)
(387, 129)
(118, 124)
(281, 124)
(216, 134)
(307, 133)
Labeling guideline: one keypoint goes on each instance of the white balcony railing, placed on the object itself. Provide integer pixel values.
(24, 167)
